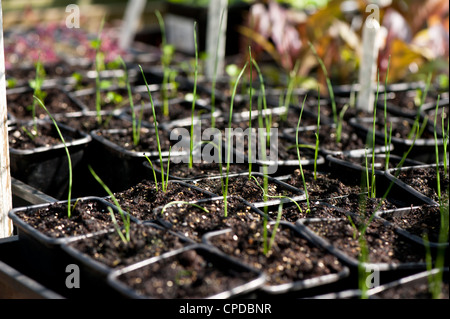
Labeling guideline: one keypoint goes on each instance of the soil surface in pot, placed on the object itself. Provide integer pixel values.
(415, 291)
(25, 137)
(193, 222)
(88, 123)
(189, 275)
(20, 105)
(141, 199)
(291, 258)
(145, 242)
(349, 138)
(384, 244)
(111, 100)
(418, 221)
(424, 180)
(86, 217)
(147, 140)
(245, 188)
(199, 170)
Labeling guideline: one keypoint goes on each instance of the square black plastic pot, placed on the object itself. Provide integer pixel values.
(43, 252)
(249, 279)
(423, 149)
(95, 272)
(398, 193)
(67, 103)
(289, 288)
(297, 194)
(46, 168)
(385, 268)
(195, 224)
(118, 167)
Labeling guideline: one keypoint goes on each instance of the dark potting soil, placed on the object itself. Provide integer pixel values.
(418, 221)
(56, 101)
(424, 180)
(45, 136)
(88, 123)
(141, 199)
(384, 244)
(112, 99)
(145, 242)
(86, 217)
(245, 188)
(291, 213)
(188, 275)
(291, 258)
(182, 170)
(418, 290)
(193, 222)
(147, 141)
(326, 185)
(178, 109)
(349, 138)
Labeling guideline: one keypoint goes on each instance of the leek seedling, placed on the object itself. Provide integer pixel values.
(155, 123)
(167, 53)
(125, 217)
(419, 110)
(330, 88)
(191, 142)
(229, 138)
(290, 89)
(387, 142)
(298, 155)
(267, 244)
(268, 115)
(214, 79)
(445, 134)
(250, 114)
(98, 60)
(436, 147)
(69, 160)
(136, 123)
(36, 84)
(316, 150)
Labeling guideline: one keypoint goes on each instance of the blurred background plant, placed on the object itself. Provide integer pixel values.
(416, 38)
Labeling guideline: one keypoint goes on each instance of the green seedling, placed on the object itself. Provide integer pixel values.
(164, 182)
(250, 114)
(37, 84)
(155, 123)
(125, 217)
(290, 89)
(330, 88)
(191, 141)
(298, 154)
(136, 123)
(387, 142)
(267, 246)
(99, 64)
(262, 99)
(316, 150)
(69, 160)
(419, 110)
(445, 135)
(229, 138)
(436, 147)
(214, 79)
(166, 58)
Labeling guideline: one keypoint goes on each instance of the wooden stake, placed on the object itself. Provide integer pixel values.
(217, 10)
(5, 177)
(131, 19)
(368, 66)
